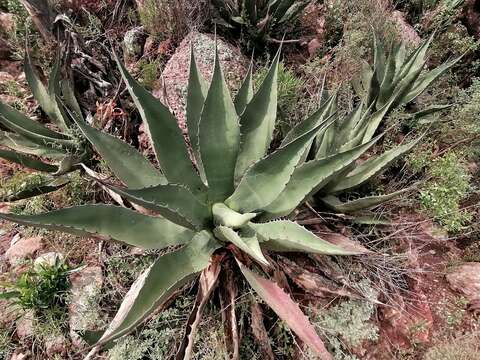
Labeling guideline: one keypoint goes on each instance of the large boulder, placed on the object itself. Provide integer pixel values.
(175, 74)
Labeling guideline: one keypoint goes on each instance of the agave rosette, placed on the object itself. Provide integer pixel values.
(209, 206)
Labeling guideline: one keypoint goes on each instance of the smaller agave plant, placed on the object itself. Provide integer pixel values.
(402, 81)
(211, 210)
(29, 143)
(258, 18)
(395, 70)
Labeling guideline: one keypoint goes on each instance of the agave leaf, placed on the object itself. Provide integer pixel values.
(249, 244)
(370, 168)
(309, 178)
(223, 215)
(16, 118)
(158, 282)
(45, 96)
(245, 93)
(19, 143)
(318, 117)
(28, 191)
(430, 110)
(175, 202)
(284, 235)
(166, 137)
(332, 202)
(27, 161)
(196, 94)
(326, 142)
(287, 310)
(258, 121)
(219, 136)
(348, 125)
(386, 84)
(280, 8)
(125, 161)
(110, 222)
(293, 11)
(266, 179)
(416, 60)
(424, 81)
(379, 61)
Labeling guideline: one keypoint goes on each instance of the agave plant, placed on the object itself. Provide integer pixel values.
(213, 213)
(393, 81)
(392, 71)
(258, 19)
(29, 143)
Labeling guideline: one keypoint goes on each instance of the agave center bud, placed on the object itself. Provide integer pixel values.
(224, 216)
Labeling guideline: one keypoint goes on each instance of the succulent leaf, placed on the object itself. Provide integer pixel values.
(219, 136)
(19, 143)
(248, 244)
(370, 168)
(174, 202)
(223, 215)
(196, 94)
(111, 222)
(287, 310)
(158, 282)
(284, 235)
(266, 179)
(166, 137)
(258, 121)
(245, 93)
(28, 191)
(332, 202)
(126, 162)
(27, 161)
(46, 96)
(309, 178)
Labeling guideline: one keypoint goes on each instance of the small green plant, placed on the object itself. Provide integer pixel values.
(42, 287)
(164, 19)
(6, 343)
(447, 187)
(257, 20)
(149, 72)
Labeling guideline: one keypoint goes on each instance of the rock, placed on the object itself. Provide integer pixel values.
(20, 355)
(8, 315)
(403, 326)
(133, 43)
(465, 279)
(472, 16)
(56, 345)
(175, 74)
(47, 259)
(406, 31)
(83, 309)
(5, 77)
(7, 22)
(23, 248)
(24, 325)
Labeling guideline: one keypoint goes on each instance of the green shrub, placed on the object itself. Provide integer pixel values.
(42, 287)
(442, 193)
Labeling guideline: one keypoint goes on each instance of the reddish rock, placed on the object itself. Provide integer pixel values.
(465, 279)
(23, 249)
(7, 22)
(406, 31)
(404, 325)
(175, 74)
